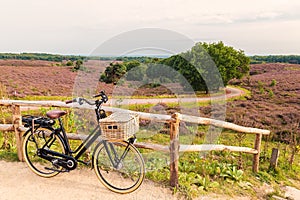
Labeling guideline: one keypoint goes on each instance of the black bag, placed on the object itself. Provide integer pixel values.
(30, 121)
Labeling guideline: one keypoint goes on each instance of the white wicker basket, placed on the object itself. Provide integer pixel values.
(119, 126)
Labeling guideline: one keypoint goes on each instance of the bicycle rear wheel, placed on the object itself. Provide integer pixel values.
(119, 166)
(42, 137)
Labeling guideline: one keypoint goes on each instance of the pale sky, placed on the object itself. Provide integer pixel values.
(80, 26)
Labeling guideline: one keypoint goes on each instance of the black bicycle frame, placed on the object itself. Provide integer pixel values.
(83, 146)
(87, 142)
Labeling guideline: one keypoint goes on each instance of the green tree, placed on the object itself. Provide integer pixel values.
(197, 65)
(187, 70)
(231, 63)
(113, 73)
(78, 64)
(131, 64)
(136, 73)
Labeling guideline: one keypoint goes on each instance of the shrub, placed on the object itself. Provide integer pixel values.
(69, 63)
(78, 64)
(273, 83)
(271, 94)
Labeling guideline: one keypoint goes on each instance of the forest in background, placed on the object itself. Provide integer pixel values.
(256, 59)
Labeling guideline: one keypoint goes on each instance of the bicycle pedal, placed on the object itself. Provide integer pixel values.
(86, 163)
(89, 162)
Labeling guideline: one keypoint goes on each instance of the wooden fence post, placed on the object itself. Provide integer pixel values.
(255, 166)
(274, 158)
(174, 149)
(17, 122)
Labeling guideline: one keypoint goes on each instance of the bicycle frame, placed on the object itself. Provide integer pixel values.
(84, 144)
(81, 149)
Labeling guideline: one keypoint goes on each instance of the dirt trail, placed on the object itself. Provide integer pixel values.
(17, 182)
(230, 93)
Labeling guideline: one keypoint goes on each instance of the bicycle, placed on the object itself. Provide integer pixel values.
(118, 164)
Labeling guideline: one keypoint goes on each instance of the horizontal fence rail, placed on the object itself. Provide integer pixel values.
(173, 149)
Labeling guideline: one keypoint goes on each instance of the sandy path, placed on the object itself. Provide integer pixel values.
(230, 93)
(17, 182)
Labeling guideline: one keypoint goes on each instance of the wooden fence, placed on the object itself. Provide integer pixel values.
(174, 148)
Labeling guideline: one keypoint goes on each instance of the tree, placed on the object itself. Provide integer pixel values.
(198, 65)
(78, 64)
(230, 62)
(187, 70)
(136, 73)
(113, 72)
(131, 64)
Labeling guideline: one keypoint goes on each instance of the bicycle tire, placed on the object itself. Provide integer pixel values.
(32, 142)
(130, 172)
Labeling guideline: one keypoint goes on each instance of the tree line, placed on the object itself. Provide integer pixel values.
(40, 56)
(206, 67)
(256, 59)
(293, 59)
(60, 58)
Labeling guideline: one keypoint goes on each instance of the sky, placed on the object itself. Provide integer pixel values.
(78, 27)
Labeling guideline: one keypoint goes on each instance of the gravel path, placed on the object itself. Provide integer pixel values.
(17, 182)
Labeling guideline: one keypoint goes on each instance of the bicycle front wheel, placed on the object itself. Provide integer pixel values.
(42, 138)
(119, 166)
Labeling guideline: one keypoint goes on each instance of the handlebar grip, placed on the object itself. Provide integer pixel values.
(101, 94)
(69, 101)
(98, 95)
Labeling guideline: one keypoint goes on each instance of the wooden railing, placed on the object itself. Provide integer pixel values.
(174, 148)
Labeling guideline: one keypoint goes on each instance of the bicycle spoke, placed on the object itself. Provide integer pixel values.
(119, 167)
(41, 138)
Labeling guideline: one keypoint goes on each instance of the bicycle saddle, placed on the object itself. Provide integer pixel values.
(54, 114)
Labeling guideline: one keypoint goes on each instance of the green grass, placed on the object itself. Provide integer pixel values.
(247, 94)
(197, 94)
(221, 172)
(44, 98)
(8, 155)
(8, 149)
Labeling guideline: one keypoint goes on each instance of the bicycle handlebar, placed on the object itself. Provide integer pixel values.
(81, 100)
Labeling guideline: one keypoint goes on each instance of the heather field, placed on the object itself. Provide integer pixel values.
(273, 103)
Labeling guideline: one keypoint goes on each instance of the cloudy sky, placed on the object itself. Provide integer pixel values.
(80, 26)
